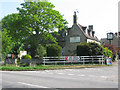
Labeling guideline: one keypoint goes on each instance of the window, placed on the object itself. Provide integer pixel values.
(74, 39)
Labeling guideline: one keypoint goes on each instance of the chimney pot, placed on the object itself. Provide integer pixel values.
(93, 32)
(89, 31)
(116, 34)
(74, 13)
(75, 18)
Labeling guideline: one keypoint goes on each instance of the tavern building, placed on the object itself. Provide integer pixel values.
(75, 35)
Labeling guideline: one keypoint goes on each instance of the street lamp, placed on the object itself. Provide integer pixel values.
(110, 37)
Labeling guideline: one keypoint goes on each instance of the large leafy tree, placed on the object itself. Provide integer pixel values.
(41, 18)
(7, 43)
(14, 31)
(34, 24)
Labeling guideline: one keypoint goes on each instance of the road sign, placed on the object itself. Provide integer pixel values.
(109, 61)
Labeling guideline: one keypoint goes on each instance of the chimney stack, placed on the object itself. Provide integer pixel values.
(90, 29)
(93, 33)
(84, 29)
(116, 34)
(75, 18)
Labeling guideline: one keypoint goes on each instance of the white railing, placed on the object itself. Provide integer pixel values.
(73, 59)
(63, 60)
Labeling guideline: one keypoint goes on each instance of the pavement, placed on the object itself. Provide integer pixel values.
(100, 77)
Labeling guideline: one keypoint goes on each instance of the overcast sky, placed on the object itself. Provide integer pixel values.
(102, 14)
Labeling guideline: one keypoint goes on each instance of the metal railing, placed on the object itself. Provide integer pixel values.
(63, 60)
(73, 59)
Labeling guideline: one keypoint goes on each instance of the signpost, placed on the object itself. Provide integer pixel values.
(110, 37)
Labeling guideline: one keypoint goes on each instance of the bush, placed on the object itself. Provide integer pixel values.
(107, 52)
(41, 51)
(83, 49)
(54, 50)
(89, 49)
(114, 51)
(27, 57)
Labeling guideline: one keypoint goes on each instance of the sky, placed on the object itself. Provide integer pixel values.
(102, 14)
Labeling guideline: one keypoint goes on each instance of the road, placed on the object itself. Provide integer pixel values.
(100, 77)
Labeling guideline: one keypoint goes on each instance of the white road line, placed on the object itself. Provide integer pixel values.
(47, 71)
(81, 75)
(103, 76)
(32, 85)
(70, 74)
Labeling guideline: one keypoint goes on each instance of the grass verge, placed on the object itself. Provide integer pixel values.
(47, 67)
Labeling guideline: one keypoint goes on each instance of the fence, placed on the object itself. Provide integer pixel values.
(61, 60)
(9, 61)
(73, 59)
(22, 61)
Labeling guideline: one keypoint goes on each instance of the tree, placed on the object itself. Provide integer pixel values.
(38, 17)
(42, 19)
(7, 44)
(41, 51)
(15, 30)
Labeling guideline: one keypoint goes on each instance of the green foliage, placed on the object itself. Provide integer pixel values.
(18, 62)
(107, 52)
(83, 49)
(7, 43)
(34, 16)
(41, 51)
(54, 50)
(27, 57)
(89, 49)
(41, 18)
(13, 33)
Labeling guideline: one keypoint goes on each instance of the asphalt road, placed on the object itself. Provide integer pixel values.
(102, 77)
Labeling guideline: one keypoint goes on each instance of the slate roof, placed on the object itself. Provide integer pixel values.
(82, 28)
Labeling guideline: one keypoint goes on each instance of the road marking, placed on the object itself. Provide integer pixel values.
(47, 71)
(103, 76)
(32, 85)
(81, 75)
(70, 74)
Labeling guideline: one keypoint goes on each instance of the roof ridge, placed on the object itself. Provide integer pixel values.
(88, 36)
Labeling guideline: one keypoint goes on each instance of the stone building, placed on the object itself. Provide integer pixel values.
(75, 35)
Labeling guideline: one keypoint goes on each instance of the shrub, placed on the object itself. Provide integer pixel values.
(41, 51)
(83, 49)
(107, 52)
(54, 50)
(114, 50)
(27, 57)
(89, 49)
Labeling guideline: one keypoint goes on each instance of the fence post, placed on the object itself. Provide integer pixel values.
(92, 60)
(64, 63)
(99, 60)
(44, 60)
(83, 61)
(102, 60)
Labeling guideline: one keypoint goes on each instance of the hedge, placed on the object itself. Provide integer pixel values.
(54, 50)
(89, 49)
